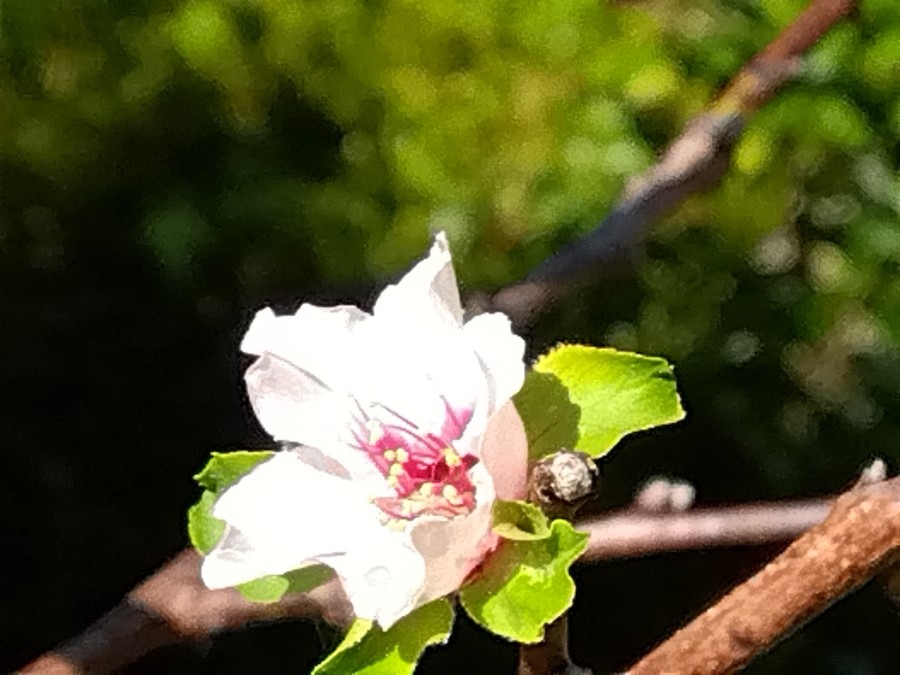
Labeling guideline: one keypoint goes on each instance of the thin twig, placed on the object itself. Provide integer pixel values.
(858, 538)
(551, 655)
(693, 162)
(633, 533)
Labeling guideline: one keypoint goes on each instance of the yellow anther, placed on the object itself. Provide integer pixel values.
(426, 489)
(396, 525)
(390, 455)
(396, 470)
(393, 481)
(402, 455)
(451, 494)
(451, 457)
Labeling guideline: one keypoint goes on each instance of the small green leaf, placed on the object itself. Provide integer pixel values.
(224, 468)
(519, 520)
(587, 398)
(307, 578)
(204, 529)
(368, 649)
(525, 585)
(265, 589)
(273, 587)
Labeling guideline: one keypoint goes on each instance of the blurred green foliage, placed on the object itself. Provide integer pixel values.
(166, 166)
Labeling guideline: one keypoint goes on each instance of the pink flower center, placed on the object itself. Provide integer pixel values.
(428, 475)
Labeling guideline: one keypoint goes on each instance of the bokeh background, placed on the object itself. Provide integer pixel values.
(169, 166)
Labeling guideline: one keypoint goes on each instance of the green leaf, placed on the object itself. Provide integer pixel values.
(272, 588)
(204, 529)
(587, 398)
(368, 649)
(265, 589)
(519, 520)
(307, 578)
(525, 584)
(224, 468)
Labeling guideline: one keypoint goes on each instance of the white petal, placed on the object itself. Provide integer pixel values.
(292, 405)
(427, 294)
(284, 514)
(320, 340)
(501, 353)
(453, 548)
(274, 521)
(417, 373)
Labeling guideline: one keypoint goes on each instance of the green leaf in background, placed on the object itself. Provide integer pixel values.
(587, 398)
(368, 649)
(224, 468)
(525, 585)
(520, 521)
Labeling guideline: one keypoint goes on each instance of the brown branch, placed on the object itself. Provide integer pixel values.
(633, 533)
(694, 162)
(172, 606)
(858, 538)
(550, 655)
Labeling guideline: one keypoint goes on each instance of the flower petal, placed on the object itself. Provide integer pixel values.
(294, 406)
(501, 353)
(426, 294)
(264, 508)
(504, 453)
(320, 340)
(285, 514)
(453, 548)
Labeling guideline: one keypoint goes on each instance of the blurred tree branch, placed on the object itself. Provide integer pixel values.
(859, 537)
(693, 162)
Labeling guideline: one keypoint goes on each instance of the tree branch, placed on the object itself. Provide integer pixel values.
(172, 606)
(631, 533)
(693, 162)
(858, 538)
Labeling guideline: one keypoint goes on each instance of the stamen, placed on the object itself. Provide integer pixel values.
(397, 415)
(451, 494)
(451, 457)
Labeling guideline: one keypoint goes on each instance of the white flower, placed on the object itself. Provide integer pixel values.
(405, 437)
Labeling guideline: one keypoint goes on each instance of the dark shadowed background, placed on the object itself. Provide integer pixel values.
(167, 167)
